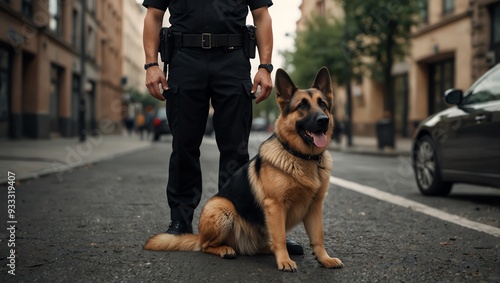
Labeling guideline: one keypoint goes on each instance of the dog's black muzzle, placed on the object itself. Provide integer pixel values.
(322, 122)
(317, 123)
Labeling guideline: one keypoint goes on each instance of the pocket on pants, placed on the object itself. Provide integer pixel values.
(173, 88)
(247, 88)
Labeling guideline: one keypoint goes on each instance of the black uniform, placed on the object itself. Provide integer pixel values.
(196, 76)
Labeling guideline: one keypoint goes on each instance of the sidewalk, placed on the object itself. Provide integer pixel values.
(34, 158)
(368, 145)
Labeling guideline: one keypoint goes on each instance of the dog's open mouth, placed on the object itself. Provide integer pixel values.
(317, 138)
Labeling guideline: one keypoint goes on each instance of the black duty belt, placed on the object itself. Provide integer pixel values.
(208, 40)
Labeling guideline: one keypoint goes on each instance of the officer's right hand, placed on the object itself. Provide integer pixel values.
(155, 77)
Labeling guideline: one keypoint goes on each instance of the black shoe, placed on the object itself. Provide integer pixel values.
(178, 228)
(294, 248)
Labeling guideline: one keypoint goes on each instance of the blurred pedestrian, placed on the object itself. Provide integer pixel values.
(149, 115)
(129, 119)
(140, 122)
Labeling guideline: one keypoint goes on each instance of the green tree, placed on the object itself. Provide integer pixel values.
(378, 36)
(268, 107)
(374, 35)
(316, 46)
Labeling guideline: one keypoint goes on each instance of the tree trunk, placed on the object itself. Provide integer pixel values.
(389, 107)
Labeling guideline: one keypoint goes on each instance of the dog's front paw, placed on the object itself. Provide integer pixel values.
(332, 263)
(287, 265)
(227, 253)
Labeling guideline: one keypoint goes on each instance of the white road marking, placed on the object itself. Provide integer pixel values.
(416, 206)
(403, 202)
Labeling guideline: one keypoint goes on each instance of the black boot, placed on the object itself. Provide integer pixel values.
(294, 248)
(178, 228)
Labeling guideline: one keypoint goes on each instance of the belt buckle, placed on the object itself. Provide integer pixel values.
(206, 40)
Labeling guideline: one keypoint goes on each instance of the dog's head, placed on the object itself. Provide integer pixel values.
(305, 122)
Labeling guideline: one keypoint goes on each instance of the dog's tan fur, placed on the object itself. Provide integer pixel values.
(289, 189)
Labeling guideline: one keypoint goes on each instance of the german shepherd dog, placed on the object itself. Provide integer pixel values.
(283, 185)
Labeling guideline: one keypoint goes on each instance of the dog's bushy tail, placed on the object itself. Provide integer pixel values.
(169, 242)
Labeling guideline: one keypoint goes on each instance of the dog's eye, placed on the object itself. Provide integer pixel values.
(302, 105)
(322, 104)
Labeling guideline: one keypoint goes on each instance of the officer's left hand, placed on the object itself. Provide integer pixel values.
(262, 78)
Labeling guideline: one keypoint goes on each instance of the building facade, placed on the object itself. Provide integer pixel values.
(40, 66)
(133, 51)
(367, 94)
(485, 35)
(458, 41)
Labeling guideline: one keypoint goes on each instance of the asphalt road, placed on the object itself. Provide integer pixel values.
(91, 227)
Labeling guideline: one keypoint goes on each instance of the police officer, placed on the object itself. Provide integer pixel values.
(207, 65)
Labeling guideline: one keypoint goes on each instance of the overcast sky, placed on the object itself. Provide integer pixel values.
(285, 14)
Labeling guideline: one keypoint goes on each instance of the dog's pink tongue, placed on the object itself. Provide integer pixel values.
(319, 139)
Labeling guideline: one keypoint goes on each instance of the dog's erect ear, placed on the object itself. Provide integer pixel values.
(284, 86)
(323, 82)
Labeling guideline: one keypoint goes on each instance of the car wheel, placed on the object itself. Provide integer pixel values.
(427, 172)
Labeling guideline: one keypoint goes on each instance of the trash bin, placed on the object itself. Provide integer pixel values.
(385, 133)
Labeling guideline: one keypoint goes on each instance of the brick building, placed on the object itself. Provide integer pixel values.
(40, 47)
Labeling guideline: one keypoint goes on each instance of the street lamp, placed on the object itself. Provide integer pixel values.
(83, 79)
(348, 77)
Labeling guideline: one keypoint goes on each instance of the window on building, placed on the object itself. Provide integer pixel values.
(55, 92)
(495, 24)
(75, 103)
(27, 8)
(495, 31)
(75, 34)
(91, 43)
(320, 7)
(55, 16)
(91, 6)
(448, 6)
(424, 11)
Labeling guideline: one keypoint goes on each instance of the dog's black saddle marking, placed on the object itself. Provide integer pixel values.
(239, 192)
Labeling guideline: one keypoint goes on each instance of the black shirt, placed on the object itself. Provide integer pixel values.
(212, 16)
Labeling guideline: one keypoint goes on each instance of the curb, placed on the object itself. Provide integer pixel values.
(372, 152)
(70, 167)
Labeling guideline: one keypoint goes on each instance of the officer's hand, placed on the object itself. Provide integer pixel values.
(154, 77)
(262, 78)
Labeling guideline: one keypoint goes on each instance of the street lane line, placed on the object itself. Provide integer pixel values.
(416, 206)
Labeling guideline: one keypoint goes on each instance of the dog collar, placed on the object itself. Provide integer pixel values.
(300, 154)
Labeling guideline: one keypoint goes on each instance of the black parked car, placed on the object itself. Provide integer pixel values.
(160, 124)
(461, 144)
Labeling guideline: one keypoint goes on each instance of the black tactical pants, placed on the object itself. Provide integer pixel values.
(196, 77)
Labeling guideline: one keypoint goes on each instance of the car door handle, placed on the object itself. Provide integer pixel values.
(480, 118)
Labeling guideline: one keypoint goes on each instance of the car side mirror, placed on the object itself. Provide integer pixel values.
(453, 96)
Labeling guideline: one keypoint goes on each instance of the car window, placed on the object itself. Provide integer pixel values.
(487, 90)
